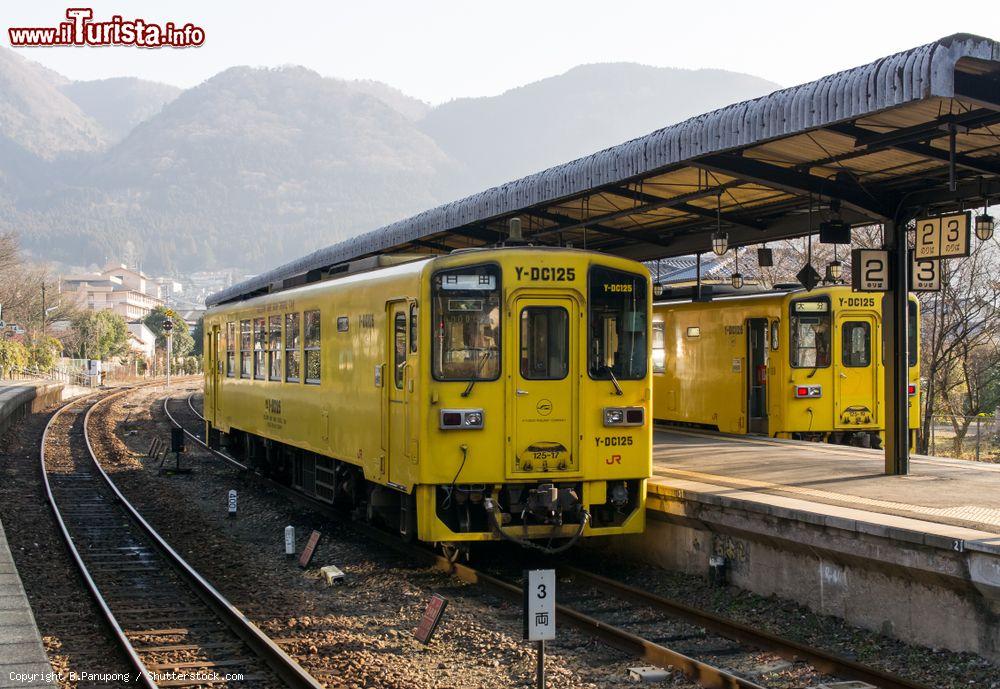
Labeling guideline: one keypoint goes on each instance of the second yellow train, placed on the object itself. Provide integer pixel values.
(784, 364)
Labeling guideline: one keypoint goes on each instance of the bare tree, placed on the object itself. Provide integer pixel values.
(960, 357)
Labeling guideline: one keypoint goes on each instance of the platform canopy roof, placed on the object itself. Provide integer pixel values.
(912, 132)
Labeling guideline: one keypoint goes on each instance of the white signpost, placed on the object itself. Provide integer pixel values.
(232, 503)
(289, 541)
(870, 270)
(540, 613)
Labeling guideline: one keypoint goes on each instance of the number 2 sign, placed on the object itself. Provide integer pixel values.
(870, 270)
(943, 236)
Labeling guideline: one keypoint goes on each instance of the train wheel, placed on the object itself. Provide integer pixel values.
(451, 552)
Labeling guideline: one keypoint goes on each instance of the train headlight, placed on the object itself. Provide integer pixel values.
(912, 389)
(624, 416)
(808, 391)
(457, 419)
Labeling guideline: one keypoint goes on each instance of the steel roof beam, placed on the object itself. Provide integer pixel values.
(982, 165)
(645, 208)
(428, 244)
(566, 222)
(793, 182)
(973, 119)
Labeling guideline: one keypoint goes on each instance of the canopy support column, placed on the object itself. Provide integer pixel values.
(894, 345)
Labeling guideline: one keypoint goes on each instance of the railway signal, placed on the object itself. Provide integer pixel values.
(540, 613)
(168, 330)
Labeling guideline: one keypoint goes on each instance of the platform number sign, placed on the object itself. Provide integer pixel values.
(870, 270)
(540, 605)
(925, 275)
(943, 236)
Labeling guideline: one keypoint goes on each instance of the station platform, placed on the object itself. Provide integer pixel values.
(822, 525)
(951, 498)
(23, 661)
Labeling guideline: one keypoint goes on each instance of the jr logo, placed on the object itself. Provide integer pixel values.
(272, 406)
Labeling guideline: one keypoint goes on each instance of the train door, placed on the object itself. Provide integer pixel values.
(756, 373)
(397, 379)
(856, 383)
(545, 369)
(215, 340)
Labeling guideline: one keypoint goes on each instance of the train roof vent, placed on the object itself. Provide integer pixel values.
(787, 286)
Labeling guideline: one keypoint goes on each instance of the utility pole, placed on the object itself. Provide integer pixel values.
(43, 309)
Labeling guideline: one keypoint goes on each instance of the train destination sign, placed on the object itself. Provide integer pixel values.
(943, 236)
(870, 270)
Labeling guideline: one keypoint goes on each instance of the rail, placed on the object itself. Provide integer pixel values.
(705, 674)
(260, 644)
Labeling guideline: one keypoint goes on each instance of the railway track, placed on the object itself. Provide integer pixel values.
(714, 651)
(173, 626)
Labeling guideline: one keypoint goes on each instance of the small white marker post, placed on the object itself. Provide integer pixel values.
(540, 613)
(289, 541)
(232, 503)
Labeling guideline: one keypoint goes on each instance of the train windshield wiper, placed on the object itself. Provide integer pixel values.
(479, 370)
(614, 381)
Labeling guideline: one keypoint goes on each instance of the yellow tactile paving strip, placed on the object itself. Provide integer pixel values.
(967, 513)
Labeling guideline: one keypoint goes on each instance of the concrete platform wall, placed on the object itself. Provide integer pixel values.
(919, 593)
(18, 400)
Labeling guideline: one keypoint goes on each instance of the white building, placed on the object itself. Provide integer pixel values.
(129, 293)
(142, 340)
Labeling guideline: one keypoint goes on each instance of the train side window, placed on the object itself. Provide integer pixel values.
(912, 346)
(259, 347)
(856, 344)
(246, 349)
(414, 327)
(810, 324)
(399, 349)
(274, 348)
(544, 343)
(293, 357)
(230, 349)
(659, 347)
(311, 340)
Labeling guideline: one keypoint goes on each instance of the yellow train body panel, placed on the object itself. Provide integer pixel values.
(787, 364)
(512, 340)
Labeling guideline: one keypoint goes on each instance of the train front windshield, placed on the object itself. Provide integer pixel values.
(618, 343)
(466, 313)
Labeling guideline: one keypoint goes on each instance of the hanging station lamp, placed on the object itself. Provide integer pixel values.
(737, 278)
(720, 240)
(834, 269)
(984, 224)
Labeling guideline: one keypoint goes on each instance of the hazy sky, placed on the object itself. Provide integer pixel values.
(437, 50)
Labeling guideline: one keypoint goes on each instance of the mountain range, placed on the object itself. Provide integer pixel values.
(256, 166)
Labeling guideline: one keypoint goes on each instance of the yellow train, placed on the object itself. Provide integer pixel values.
(786, 364)
(485, 394)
